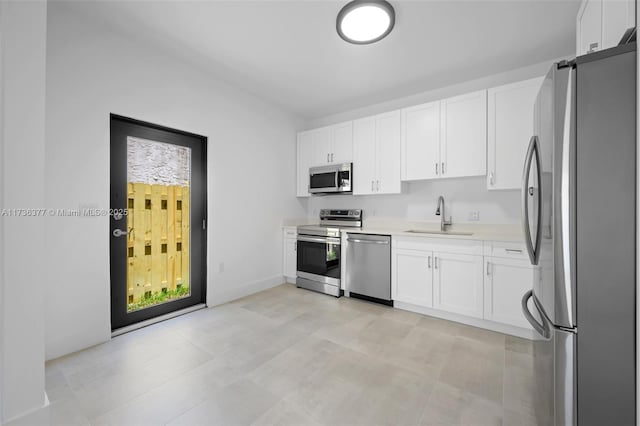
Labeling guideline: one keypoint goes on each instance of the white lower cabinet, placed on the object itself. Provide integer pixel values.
(412, 277)
(290, 254)
(480, 283)
(505, 282)
(457, 283)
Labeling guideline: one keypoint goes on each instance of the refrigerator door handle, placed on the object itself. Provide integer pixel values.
(542, 328)
(533, 248)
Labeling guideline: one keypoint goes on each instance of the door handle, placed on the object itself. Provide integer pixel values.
(119, 232)
(371, 186)
(488, 266)
(353, 240)
(532, 249)
(328, 158)
(428, 262)
(436, 168)
(540, 328)
(442, 168)
(377, 186)
(332, 157)
(435, 262)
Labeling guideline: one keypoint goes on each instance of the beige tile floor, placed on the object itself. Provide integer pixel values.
(288, 356)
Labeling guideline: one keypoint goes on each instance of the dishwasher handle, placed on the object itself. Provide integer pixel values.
(354, 240)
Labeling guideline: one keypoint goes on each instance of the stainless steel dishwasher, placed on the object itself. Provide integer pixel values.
(368, 267)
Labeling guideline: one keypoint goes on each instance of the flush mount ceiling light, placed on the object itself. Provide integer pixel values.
(365, 21)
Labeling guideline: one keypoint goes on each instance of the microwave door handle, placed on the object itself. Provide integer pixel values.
(337, 176)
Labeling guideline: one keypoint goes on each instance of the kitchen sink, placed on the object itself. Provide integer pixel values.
(422, 231)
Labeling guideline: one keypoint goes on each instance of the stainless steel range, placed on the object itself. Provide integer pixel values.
(319, 250)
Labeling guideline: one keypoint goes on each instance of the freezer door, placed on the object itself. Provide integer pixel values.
(554, 360)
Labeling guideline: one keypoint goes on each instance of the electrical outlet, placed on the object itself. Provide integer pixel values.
(474, 215)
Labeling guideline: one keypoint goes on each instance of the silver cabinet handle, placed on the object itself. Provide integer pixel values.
(371, 186)
(119, 232)
(377, 186)
(491, 178)
(516, 251)
(295, 246)
(442, 168)
(428, 262)
(435, 262)
(328, 158)
(488, 266)
(436, 168)
(332, 157)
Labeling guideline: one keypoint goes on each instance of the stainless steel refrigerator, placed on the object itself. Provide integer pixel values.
(579, 220)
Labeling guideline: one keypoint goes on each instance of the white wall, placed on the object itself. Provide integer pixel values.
(23, 41)
(418, 200)
(93, 71)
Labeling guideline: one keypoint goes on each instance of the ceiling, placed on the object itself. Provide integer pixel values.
(289, 53)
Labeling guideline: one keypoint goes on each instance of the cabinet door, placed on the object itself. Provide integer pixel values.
(289, 257)
(589, 27)
(457, 283)
(321, 141)
(364, 156)
(617, 17)
(463, 147)
(412, 278)
(505, 282)
(304, 154)
(509, 128)
(388, 153)
(342, 143)
(420, 148)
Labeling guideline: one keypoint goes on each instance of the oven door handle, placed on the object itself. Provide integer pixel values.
(319, 240)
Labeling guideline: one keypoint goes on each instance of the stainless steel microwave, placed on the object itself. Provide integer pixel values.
(331, 179)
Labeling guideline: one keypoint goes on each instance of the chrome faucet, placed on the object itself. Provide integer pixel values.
(443, 222)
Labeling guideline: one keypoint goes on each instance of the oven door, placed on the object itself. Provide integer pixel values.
(319, 259)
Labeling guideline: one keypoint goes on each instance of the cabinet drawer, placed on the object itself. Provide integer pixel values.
(509, 250)
(290, 232)
(445, 245)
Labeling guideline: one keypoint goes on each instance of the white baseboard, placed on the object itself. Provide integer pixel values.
(36, 417)
(218, 298)
(475, 322)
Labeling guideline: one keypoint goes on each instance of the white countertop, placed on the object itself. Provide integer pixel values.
(399, 227)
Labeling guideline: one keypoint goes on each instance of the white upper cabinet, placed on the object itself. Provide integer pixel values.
(463, 135)
(509, 127)
(617, 17)
(321, 139)
(420, 148)
(376, 154)
(341, 147)
(388, 153)
(364, 155)
(304, 161)
(332, 144)
(600, 24)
